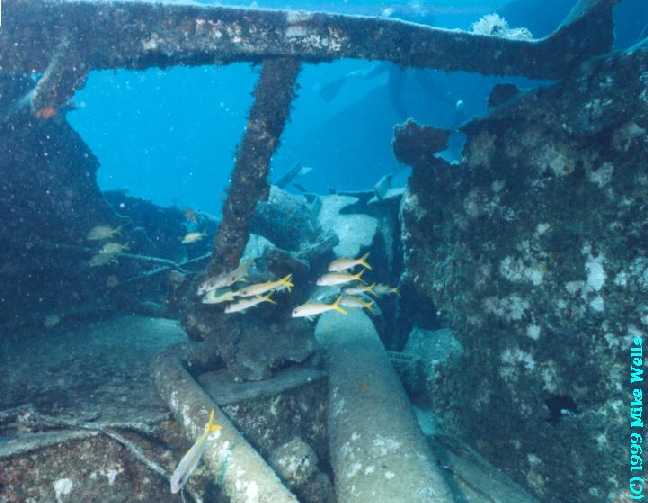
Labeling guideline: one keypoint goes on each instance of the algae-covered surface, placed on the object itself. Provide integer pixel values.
(100, 367)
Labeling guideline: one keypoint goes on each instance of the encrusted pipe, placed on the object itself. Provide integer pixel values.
(377, 450)
(242, 473)
(273, 96)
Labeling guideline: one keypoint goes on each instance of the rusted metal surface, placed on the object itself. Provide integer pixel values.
(249, 182)
(141, 35)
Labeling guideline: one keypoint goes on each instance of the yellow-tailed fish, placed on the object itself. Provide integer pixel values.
(360, 290)
(244, 304)
(338, 278)
(102, 259)
(382, 290)
(269, 286)
(344, 264)
(219, 296)
(190, 460)
(101, 232)
(113, 247)
(192, 237)
(309, 310)
(225, 279)
(350, 301)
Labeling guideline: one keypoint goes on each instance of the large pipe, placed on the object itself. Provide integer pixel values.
(378, 452)
(242, 473)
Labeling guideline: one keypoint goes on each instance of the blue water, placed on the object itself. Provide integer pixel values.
(172, 138)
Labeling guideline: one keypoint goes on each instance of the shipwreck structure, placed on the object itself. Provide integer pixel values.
(60, 42)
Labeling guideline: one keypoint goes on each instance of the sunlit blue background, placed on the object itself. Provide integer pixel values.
(169, 136)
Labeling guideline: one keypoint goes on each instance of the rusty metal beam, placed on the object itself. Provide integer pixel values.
(273, 96)
(139, 35)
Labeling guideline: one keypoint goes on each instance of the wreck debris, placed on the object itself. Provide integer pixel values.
(538, 237)
(249, 183)
(377, 451)
(27, 417)
(416, 145)
(63, 76)
(140, 35)
(240, 469)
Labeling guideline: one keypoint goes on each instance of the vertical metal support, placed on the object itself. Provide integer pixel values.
(273, 97)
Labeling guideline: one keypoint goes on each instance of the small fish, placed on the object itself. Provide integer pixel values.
(101, 232)
(190, 460)
(304, 170)
(46, 112)
(269, 286)
(297, 170)
(219, 296)
(51, 320)
(226, 279)
(361, 290)
(309, 310)
(343, 264)
(113, 247)
(193, 237)
(382, 290)
(338, 278)
(102, 259)
(244, 304)
(349, 301)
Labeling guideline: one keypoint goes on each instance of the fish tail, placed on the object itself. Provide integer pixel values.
(337, 307)
(363, 261)
(268, 298)
(285, 281)
(359, 276)
(368, 305)
(395, 290)
(371, 290)
(211, 425)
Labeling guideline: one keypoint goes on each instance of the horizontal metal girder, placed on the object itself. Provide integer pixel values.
(138, 35)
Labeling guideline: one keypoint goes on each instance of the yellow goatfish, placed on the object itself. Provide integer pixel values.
(190, 461)
(349, 301)
(381, 290)
(101, 232)
(309, 310)
(268, 286)
(360, 290)
(114, 248)
(225, 279)
(343, 264)
(244, 304)
(219, 296)
(338, 278)
(192, 237)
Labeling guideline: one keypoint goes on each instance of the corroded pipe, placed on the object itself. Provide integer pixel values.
(242, 473)
(249, 182)
(142, 35)
(378, 452)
